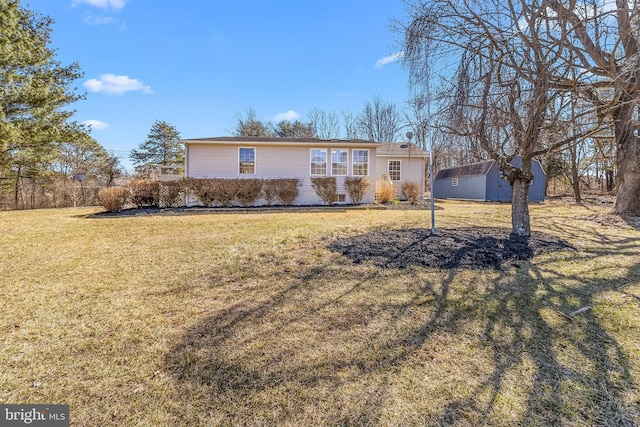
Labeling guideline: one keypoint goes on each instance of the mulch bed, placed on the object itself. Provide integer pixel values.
(195, 210)
(473, 248)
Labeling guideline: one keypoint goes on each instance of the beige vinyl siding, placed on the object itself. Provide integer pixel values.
(271, 161)
(412, 170)
(205, 162)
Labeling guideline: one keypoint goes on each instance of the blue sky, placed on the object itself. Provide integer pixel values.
(197, 64)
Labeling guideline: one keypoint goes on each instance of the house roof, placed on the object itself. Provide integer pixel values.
(235, 140)
(479, 168)
(399, 149)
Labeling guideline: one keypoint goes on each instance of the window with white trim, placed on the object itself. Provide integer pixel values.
(339, 162)
(360, 160)
(247, 160)
(395, 169)
(454, 182)
(318, 161)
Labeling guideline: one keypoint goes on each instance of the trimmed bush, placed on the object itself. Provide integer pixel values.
(145, 193)
(224, 190)
(326, 188)
(287, 190)
(203, 189)
(113, 199)
(245, 191)
(270, 190)
(385, 189)
(248, 191)
(357, 186)
(411, 191)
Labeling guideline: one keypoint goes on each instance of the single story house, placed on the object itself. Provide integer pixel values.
(482, 181)
(304, 158)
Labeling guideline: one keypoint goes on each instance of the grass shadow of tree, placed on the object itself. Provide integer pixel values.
(579, 371)
(342, 344)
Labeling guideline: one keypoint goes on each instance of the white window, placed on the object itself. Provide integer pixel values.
(454, 182)
(339, 162)
(318, 161)
(247, 157)
(394, 169)
(360, 159)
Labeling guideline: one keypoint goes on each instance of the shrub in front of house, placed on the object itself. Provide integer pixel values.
(224, 191)
(411, 191)
(269, 191)
(357, 186)
(248, 191)
(385, 189)
(203, 190)
(145, 193)
(113, 199)
(286, 190)
(171, 194)
(326, 188)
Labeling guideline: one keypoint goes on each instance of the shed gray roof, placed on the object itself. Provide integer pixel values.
(480, 168)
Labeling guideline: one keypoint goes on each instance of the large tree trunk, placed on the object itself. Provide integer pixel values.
(628, 161)
(520, 220)
(628, 194)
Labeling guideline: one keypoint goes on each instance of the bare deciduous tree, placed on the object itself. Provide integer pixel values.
(325, 123)
(379, 121)
(503, 93)
(350, 125)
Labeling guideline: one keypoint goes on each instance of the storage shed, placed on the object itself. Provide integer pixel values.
(482, 181)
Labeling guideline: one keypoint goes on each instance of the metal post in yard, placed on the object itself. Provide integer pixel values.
(429, 137)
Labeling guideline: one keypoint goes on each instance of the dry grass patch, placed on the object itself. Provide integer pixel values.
(250, 319)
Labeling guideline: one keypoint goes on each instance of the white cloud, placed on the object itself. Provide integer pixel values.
(103, 4)
(389, 59)
(116, 85)
(99, 20)
(289, 115)
(96, 124)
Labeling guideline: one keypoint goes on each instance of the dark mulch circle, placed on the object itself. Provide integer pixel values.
(473, 248)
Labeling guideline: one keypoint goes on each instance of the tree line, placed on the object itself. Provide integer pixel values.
(379, 121)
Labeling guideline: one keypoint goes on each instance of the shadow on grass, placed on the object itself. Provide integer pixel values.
(335, 343)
